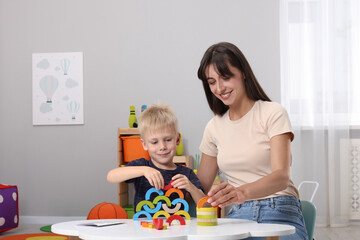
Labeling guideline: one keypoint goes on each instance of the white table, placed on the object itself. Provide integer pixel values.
(226, 229)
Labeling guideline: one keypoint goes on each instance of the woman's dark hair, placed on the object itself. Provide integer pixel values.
(220, 55)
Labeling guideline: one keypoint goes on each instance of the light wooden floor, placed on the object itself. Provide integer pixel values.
(346, 233)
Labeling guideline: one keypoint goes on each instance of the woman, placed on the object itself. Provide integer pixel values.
(249, 140)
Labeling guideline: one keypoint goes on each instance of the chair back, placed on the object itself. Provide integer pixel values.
(316, 184)
(309, 209)
(309, 213)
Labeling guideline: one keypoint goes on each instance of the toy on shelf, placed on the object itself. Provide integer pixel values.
(133, 148)
(180, 147)
(143, 108)
(132, 118)
(206, 216)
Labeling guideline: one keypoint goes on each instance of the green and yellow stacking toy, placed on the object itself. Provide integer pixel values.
(132, 118)
(206, 216)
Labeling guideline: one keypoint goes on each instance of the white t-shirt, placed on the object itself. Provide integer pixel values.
(242, 147)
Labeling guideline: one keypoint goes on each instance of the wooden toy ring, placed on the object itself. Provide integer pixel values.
(152, 210)
(177, 217)
(136, 216)
(171, 210)
(142, 203)
(185, 214)
(180, 200)
(162, 212)
(172, 190)
(202, 201)
(165, 198)
(152, 190)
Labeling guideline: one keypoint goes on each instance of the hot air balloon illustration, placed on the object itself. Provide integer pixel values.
(73, 107)
(48, 85)
(65, 64)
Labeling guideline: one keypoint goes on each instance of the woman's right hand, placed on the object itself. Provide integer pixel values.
(225, 194)
(154, 177)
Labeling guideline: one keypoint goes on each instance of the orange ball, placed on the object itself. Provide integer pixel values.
(107, 211)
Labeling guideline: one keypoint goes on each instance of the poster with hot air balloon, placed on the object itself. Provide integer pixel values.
(57, 85)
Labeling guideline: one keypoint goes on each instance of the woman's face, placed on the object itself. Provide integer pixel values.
(230, 90)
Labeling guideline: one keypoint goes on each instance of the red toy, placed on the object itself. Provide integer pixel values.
(177, 217)
(167, 187)
(158, 223)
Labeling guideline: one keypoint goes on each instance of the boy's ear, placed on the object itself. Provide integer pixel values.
(143, 144)
(178, 139)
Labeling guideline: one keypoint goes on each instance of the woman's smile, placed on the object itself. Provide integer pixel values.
(225, 96)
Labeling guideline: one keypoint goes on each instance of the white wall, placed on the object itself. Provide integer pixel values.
(135, 52)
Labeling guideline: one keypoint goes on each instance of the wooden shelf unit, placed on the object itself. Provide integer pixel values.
(123, 190)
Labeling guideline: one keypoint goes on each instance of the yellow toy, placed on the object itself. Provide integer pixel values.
(180, 147)
(132, 118)
(206, 216)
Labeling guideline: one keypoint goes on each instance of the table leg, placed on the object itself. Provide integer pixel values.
(272, 238)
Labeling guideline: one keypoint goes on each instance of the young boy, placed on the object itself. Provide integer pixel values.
(159, 133)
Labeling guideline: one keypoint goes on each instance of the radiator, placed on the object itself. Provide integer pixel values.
(350, 171)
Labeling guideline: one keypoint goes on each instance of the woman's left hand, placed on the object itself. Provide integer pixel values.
(225, 194)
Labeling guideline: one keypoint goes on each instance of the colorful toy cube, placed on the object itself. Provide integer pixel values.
(9, 207)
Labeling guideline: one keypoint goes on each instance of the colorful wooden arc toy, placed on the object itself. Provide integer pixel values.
(152, 190)
(175, 217)
(174, 190)
(171, 210)
(202, 201)
(180, 200)
(138, 214)
(185, 214)
(167, 187)
(162, 205)
(161, 213)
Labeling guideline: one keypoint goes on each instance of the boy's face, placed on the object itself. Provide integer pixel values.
(161, 145)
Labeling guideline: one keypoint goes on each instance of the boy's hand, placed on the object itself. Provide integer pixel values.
(154, 177)
(182, 182)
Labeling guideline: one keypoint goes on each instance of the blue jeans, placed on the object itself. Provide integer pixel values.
(280, 210)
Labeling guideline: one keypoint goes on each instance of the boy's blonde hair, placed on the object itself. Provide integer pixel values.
(157, 117)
